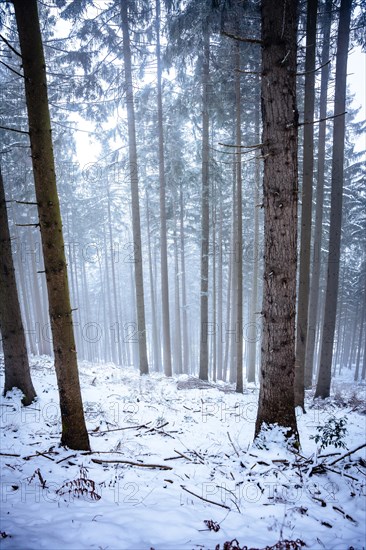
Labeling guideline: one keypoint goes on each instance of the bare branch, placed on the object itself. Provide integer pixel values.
(313, 70)
(14, 130)
(10, 46)
(241, 38)
(321, 119)
(205, 499)
(347, 454)
(11, 69)
(160, 466)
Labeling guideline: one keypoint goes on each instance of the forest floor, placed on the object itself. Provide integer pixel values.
(198, 442)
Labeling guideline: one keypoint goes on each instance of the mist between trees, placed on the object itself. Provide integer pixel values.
(217, 230)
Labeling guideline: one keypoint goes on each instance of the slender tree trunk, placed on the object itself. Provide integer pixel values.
(253, 317)
(17, 372)
(214, 293)
(307, 198)
(186, 361)
(280, 189)
(239, 228)
(219, 295)
(360, 340)
(74, 432)
(155, 335)
(232, 333)
(177, 321)
(167, 359)
(110, 331)
(331, 298)
(205, 207)
(224, 334)
(318, 229)
(353, 339)
(30, 332)
(136, 226)
(339, 325)
(44, 346)
(118, 342)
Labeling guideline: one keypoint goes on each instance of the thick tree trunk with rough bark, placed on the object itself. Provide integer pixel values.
(280, 189)
(307, 198)
(74, 432)
(136, 226)
(17, 372)
(205, 214)
(331, 297)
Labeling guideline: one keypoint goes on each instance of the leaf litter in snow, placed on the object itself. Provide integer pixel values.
(173, 467)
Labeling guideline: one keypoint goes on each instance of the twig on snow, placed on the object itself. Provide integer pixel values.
(129, 462)
(347, 454)
(205, 499)
(231, 441)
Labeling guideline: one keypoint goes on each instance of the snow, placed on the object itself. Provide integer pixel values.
(204, 433)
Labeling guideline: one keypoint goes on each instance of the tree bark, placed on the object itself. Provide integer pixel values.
(205, 213)
(318, 228)
(136, 226)
(74, 432)
(239, 230)
(17, 372)
(360, 340)
(307, 198)
(186, 354)
(155, 335)
(253, 311)
(178, 364)
(280, 189)
(331, 297)
(167, 355)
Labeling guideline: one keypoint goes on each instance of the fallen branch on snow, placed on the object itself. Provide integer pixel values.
(205, 499)
(130, 463)
(347, 454)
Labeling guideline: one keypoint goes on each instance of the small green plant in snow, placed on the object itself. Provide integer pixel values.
(332, 432)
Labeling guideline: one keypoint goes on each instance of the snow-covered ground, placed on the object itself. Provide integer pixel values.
(200, 440)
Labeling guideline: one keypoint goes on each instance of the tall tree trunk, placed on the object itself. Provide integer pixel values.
(167, 355)
(239, 229)
(24, 297)
(360, 340)
(118, 339)
(307, 198)
(186, 361)
(205, 207)
(219, 295)
(224, 334)
(136, 226)
(155, 335)
(331, 297)
(214, 293)
(232, 333)
(74, 432)
(353, 340)
(177, 321)
(280, 189)
(253, 316)
(17, 372)
(318, 228)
